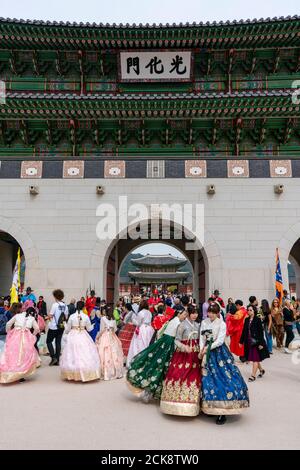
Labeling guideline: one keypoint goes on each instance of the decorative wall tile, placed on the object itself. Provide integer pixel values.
(10, 169)
(259, 169)
(238, 168)
(114, 169)
(31, 169)
(155, 169)
(52, 169)
(216, 168)
(195, 169)
(143, 168)
(94, 169)
(174, 169)
(296, 168)
(280, 168)
(136, 169)
(73, 169)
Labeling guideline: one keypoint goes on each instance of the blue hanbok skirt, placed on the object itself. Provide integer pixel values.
(223, 389)
(96, 322)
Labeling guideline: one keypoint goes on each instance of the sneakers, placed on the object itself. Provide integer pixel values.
(287, 351)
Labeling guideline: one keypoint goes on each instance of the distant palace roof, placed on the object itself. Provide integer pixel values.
(160, 276)
(276, 32)
(159, 260)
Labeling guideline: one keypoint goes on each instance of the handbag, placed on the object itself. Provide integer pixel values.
(254, 342)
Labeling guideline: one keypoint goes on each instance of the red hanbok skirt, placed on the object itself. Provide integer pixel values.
(125, 336)
(181, 389)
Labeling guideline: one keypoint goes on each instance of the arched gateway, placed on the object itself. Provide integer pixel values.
(179, 238)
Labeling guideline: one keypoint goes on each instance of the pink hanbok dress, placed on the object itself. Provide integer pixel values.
(79, 360)
(19, 358)
(110, 350)
(142, 335)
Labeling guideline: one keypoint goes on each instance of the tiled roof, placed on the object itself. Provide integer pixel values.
(149, 96)
(158, 260)
(46, 35)
(147, 25)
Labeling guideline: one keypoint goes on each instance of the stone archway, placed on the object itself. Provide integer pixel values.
(23, 239)
(289, 246)
(200, 259)
(102, 260)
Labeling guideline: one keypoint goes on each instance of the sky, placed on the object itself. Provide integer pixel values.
(158, 249)
(146, 11)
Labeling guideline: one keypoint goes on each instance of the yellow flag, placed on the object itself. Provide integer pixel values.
(16, 281)
(13, 295)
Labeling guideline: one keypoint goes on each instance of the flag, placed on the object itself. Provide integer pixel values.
(16, 281)
(278, 278)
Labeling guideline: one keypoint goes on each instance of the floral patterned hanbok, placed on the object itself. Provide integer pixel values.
(181, 388)
(223, 391)
(148, 369)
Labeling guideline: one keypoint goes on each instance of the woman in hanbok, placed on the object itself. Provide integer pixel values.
(149, 368)
(127, 331)
(143, 332)
(163, 315)
(223, 389)
(20, 359)
(181, 387)
(79, 359)
(95, 317)
(109, 348)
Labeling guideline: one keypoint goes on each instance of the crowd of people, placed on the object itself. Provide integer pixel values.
(169, 348)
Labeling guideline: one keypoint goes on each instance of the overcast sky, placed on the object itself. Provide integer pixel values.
(158, 249)
(143, 11)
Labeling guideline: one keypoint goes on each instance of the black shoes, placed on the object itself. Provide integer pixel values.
(221, 420)
(54, 362)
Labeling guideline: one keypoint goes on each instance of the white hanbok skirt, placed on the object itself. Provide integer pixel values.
(140, 341)
(80, 359)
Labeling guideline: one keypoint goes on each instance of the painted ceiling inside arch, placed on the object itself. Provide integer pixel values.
(87, 90)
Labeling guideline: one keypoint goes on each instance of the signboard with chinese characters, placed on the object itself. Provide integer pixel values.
(154, 66)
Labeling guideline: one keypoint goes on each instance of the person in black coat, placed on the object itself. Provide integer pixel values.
(254, 343)
(42, 307)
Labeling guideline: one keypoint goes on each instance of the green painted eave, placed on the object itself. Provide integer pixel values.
(181, 105)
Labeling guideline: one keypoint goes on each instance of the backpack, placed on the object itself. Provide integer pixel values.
(3, 321)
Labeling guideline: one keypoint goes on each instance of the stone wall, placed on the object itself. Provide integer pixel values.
(244, 223)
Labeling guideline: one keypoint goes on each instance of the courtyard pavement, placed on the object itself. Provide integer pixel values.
(47, 413)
